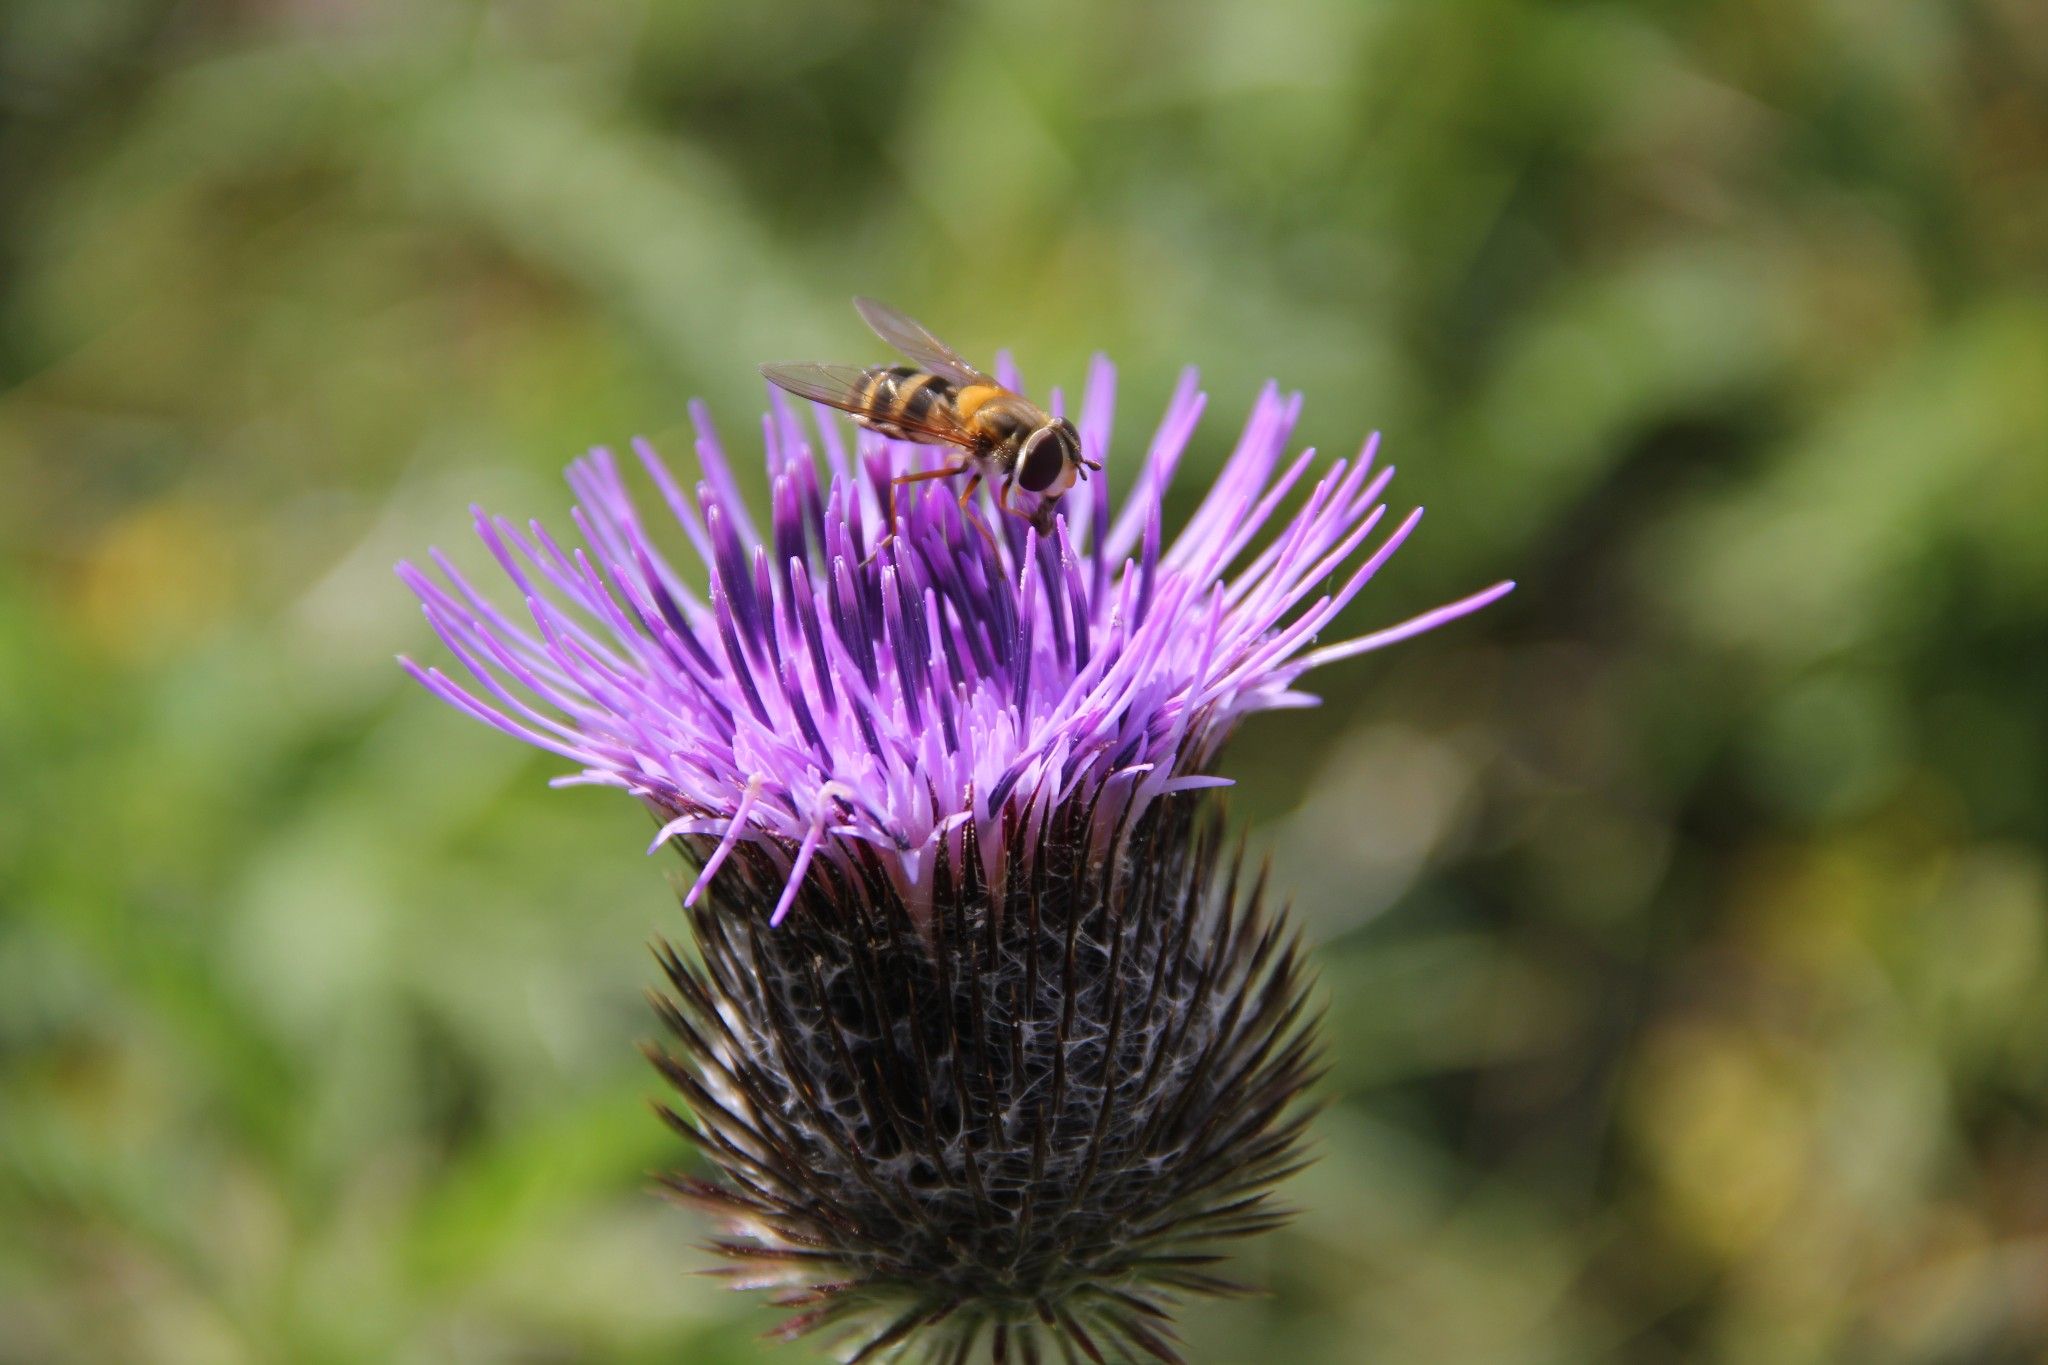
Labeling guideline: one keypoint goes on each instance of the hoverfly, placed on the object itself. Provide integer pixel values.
(1002, 436)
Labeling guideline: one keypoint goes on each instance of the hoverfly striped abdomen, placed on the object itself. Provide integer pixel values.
(898, 400)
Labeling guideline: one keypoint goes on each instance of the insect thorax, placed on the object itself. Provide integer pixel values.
(996, 417)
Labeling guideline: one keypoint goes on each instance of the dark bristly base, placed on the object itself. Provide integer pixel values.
(1022, 1132)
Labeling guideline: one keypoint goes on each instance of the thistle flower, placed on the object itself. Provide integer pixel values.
(985, 1037)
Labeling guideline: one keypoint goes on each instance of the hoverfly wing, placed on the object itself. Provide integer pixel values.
(839, 386)
(845, 387)
(915, 340)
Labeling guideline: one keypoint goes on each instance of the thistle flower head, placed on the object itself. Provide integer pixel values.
(818, 702)
(984, 1037)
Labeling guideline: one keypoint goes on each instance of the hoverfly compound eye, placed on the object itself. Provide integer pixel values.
(1042, 462)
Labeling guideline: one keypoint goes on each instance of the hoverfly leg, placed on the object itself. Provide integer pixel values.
(974, 518)
(1003, 503)
(917, 476)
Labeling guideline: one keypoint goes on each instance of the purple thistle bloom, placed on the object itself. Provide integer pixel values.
(1029, 1046)
(819, 704)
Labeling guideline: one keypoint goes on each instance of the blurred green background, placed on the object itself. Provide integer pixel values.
(1683, 920)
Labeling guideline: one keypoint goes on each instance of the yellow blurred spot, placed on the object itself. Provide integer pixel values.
(1722, 1122)
(153, 580)
(1802, 909)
